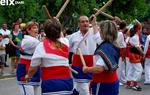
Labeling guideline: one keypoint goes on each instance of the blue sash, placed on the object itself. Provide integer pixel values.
(110, 55)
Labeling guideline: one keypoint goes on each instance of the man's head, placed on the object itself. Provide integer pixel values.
(122, 25)
(83, 24)
(4, 26)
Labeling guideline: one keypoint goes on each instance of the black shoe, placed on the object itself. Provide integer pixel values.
(75, 92)
(137, 88)
(6, 65)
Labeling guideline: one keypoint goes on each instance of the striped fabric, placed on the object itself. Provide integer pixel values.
(56, 78)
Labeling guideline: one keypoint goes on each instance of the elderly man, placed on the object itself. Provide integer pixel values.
(86, 39)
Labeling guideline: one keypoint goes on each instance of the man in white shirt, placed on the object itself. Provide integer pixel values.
(86, 39)
(5, 32)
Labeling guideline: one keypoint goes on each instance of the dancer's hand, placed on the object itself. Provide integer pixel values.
(86, 69)
(27, 78)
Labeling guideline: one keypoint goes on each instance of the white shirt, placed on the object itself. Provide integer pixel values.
(88, 45)
(120, 40)
(7, 32)
(2, 51)
(134, 41)
(98, 60)
(28, 44)
(146, 44)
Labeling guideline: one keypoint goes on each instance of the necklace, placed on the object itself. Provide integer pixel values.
(55, 44)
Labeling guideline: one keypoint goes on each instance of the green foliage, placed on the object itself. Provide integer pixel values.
(26, 11)
(32, 9)
(129, 9)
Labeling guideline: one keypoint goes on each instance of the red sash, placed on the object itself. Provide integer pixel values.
(77, 60)
(105, 76)
(26, 62)
(133, 58)
(123, 52)
(55, 72)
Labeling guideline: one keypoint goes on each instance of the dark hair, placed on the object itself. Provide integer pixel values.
(135, 29)
(52, 28)
(132, 32)
(14, 24)
(122, 25)
(1, 34)
(125, 31)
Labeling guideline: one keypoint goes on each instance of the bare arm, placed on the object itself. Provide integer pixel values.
(31, 72)
(94, 24)
(96, 69)
(12, 43)
(140, 51)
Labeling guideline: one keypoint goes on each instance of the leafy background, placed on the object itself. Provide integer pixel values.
(32, 10)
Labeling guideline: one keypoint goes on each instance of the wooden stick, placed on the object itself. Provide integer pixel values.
(62, 9)
(105, 14)
(74, 71)
(82, 59)
(102, 8)
(47, 12)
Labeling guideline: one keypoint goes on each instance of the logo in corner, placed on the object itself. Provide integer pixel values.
(10, 2)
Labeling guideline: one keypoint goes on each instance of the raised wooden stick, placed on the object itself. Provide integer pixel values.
(47, 12)
(105, 14)
(82, 59)
(62, 9)
(102, 8)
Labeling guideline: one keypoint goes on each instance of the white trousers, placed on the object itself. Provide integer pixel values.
(82, 88)
(134, 72)
(127, 66)
(121, 71)
(29, 90)
(147, 70)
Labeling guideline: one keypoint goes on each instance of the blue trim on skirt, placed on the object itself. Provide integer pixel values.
(105, 88)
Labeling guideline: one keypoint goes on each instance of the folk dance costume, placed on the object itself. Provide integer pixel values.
(53, 59)
(122, 66)
(147, 60)
(87, 45)
(106, 82)
(28, 46)
(135, 68)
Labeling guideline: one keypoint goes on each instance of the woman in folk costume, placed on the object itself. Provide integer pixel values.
(16, 37)
(134, 53)
(105, 79)
(28, 45)
(147, 60)
(52, 55)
